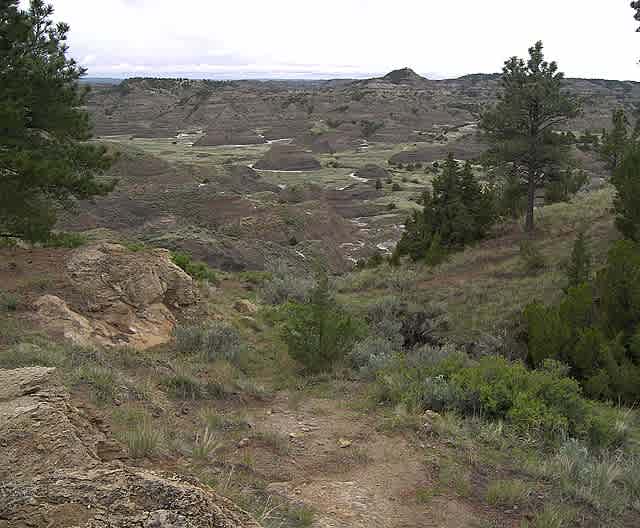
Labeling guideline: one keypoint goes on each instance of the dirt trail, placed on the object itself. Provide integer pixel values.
(351, 474)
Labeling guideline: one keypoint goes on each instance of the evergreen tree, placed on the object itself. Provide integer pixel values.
(615, 141)
(319, 332)
(626, 180)
(45, 160)
(579, 269)
(458, 212)
(521, 126)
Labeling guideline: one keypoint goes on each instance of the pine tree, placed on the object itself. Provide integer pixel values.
(522, 126)
(615, 141)
(626, 180)
(457, 213)
(45, 160)
(579, 269)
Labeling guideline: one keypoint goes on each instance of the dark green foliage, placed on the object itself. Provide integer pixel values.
(615, 141)
(579, 269)
(626, 180)
(521, 126)
(198, 270)
(369, 128)
(8, 302)
(531, 257)
(319, 332)
(65, 240)
(636, 5)
(511, 194)
(458, 212)
(595, 328)
(396, 187)
(45, 160)
(563, 184)
(378, 184)
(588, 141)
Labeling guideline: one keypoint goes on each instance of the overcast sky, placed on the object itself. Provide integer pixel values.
(341, 38)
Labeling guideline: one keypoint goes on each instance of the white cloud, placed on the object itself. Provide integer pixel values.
(590, 38)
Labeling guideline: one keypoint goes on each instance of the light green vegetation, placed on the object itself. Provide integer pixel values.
(486, 285)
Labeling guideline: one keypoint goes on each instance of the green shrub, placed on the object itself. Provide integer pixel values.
(627, 200)
(284, 285)
(198, 270)
(102, 381)
(531, 257)
(371, 354)
(204, 445)
(65, 240)
(319, 333)
(508, 493)
(183, 386)
(214, 341)
(8, 302)
(142, 439)
(579, 269)
(595, 329)
(31, 355)
(541, 403)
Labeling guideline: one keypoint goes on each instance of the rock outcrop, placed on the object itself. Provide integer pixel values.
(54, 473)
(122, 298)
(217, 138)
(287, 158)
(372, 172)
(403, 76)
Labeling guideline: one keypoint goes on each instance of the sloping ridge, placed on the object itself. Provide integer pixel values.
(402, 76)
(53, 470)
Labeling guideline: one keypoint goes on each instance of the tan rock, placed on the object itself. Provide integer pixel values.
(124, 298)
(245, 307)
(59, 320)
(55, 469)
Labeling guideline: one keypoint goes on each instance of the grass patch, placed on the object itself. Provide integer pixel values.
(552, 516)
(65, 240)
(204, 445)
(102, 381)
(142, 439)
(454, 477)
(31, 355)
(508, 493)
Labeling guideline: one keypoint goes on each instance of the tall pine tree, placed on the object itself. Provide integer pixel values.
(45, 159)
(522, 126)
(615, 141)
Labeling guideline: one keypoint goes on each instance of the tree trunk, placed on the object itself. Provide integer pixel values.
(531, 199)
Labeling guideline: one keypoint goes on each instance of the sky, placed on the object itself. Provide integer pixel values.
(346, 38)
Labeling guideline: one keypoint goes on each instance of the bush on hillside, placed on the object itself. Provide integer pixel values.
(542, 403)
(197, 270)
(283, 285)
(212, 342)
(627, 200)
(595, 329)
(579, 268)
(319, 332)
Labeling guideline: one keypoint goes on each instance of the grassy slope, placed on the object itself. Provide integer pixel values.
(484, 286)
